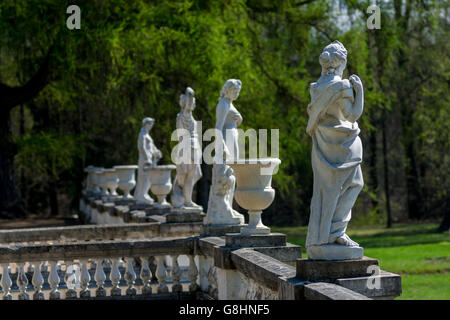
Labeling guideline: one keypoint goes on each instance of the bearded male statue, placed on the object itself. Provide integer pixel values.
(336, 157)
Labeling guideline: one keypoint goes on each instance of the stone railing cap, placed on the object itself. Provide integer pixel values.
(163, 167)
(126, 167)
(274, 161)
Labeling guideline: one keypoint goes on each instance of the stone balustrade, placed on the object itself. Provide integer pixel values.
(194, 267)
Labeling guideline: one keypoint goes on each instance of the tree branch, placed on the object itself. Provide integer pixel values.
(13, 96)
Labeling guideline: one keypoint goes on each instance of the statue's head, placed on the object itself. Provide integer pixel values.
(147, 123)
(333, 59)
(190, 99)
(187, 99)
(231, 89)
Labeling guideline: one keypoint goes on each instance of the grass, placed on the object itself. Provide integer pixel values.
(415, 251)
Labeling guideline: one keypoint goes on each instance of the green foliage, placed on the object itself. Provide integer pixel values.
(47, 155)
(415, 251)
(132, 59)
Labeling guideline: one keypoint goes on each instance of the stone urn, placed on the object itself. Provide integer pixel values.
(96, 173)
(253, 190)
(102, 183)
(126, 175)
(112, 181)
(160, 183)
(89, 170)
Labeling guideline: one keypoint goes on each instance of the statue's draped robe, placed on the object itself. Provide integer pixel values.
(336, 157)
(189, 124)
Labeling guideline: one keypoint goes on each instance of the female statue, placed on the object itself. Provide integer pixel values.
(221, 195)
(188, 172)
(148, 156)
(335, 106)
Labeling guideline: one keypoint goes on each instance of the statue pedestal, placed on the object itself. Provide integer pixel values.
(256, 240)
(314, 270)
(182, 215)
(334, 252)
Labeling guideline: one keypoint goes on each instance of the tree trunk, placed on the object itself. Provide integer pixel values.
(386, 173)
(445, 224)
(373, 181)
(10, 203)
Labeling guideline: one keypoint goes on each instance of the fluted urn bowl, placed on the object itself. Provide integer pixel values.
(126, 175)
(112, 181)
(253, 189)
(160, 183)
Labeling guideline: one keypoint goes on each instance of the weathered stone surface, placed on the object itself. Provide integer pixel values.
(313, 270)
(96, 204)
(185, 216)
(157, 211)
(291, 288)
(287, 254)
(255, 240)
(98, 249)
(84, 232)
(120, 211)
(390, 285)
(330, 291)
(220, 230)
(180, 229)
(206, 245)
(261, 267)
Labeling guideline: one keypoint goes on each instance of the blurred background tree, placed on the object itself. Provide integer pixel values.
(132, 59)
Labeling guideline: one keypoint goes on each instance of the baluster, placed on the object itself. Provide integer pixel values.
(37, 281)
(85, 278)
(53, 279)
(100, 278)
(6, 282)
(115, 278)
(22, 282)
(193, 273)
(204, 264)
(176, 275)
(161, 275)
(145, 276)
(70, 279)
(130, 277)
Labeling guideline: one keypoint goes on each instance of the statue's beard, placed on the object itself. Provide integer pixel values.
(331, 71)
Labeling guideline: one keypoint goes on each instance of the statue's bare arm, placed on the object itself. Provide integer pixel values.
(353, 110)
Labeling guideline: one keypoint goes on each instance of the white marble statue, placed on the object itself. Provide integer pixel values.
(188, 171)
(335, 106)
(220, 211)
(148, 157)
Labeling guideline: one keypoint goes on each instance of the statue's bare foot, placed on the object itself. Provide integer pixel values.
(346, 241)
(191, 204)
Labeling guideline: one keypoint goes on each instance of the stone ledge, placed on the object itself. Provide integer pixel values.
(80, 233)
(287, 254)
(314, 270)
(97, 249)
(390, 285)
(185, 216)
(260, 267)
(330, 291)
(268, 240)
(220, 230)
